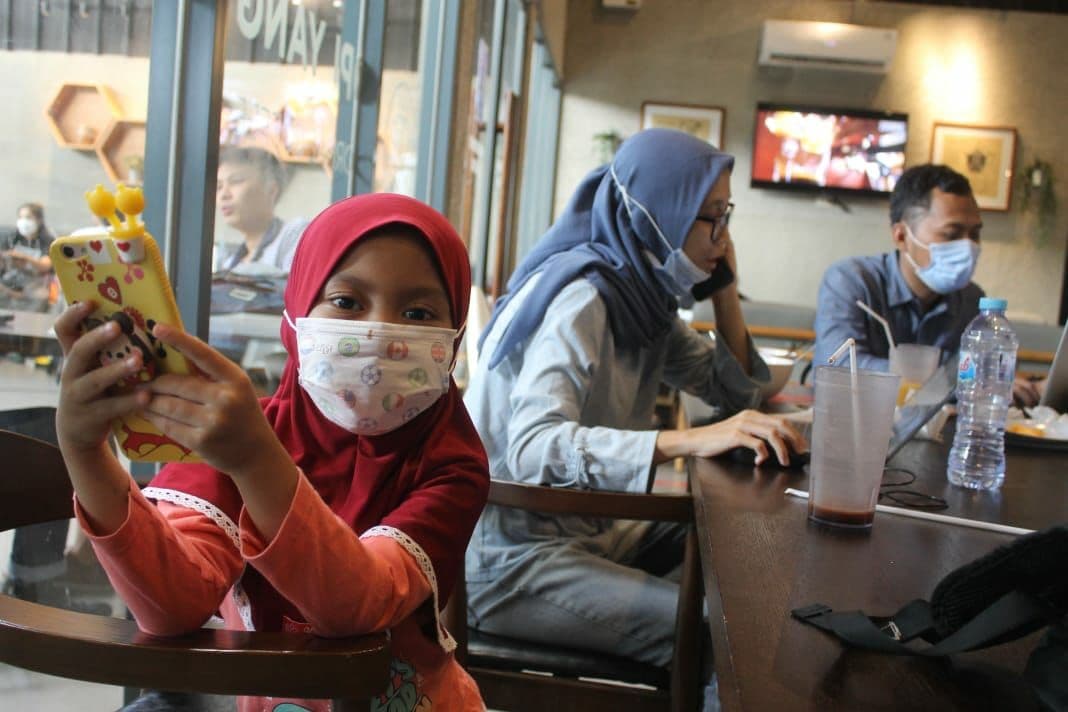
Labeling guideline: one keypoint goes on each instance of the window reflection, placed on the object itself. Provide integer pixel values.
(77, 87)
(282, 82)
(75, 80)
(398, 108)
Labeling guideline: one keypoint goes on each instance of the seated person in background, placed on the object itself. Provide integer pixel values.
(26, 272)
(564, 391)
(251, 181)
(923, 288)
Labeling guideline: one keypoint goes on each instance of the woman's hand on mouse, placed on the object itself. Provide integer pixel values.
(749, 428)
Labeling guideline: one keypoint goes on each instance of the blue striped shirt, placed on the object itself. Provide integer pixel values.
(877, 281)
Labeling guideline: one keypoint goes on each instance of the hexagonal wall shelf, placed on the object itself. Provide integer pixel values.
(79, 114)
(121, 151)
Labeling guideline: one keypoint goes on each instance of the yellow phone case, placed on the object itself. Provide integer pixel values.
(120, 269)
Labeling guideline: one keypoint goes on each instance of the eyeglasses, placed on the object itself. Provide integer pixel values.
(718, 222)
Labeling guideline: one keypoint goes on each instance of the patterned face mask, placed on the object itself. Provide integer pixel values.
(370, 377)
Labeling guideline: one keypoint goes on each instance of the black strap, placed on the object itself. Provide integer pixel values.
(1013, 615)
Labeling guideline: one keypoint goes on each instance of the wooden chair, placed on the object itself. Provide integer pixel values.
(33, 489)
(512, 673)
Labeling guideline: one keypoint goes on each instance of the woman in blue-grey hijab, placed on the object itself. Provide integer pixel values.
(565, 388)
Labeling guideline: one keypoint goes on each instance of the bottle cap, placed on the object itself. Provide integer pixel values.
(993, 303)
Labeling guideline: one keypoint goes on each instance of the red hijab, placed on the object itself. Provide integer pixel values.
(429, 478)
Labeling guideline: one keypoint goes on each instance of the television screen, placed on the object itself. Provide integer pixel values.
(840, 150)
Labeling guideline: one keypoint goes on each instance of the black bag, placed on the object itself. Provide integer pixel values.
(1011, 592)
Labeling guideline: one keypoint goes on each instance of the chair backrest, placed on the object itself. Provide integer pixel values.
(34, 489)
(770, 323)
(522, 690)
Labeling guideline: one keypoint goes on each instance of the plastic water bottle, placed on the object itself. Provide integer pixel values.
(985, 373)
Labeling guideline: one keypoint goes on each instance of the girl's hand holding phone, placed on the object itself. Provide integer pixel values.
(83, 420)
(215, 413)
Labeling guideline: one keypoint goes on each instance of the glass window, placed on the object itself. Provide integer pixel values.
(490, 182)
(539, 153)
(276, 136)
(287, 68)
(474, 193)
(506, 148)
(398, 109)
(87, 74)
(76, 91)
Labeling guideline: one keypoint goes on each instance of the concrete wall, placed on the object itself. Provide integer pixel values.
(962, 66)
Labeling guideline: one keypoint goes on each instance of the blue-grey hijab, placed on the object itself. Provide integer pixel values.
(646, 200)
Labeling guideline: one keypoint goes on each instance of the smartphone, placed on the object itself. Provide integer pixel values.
(721, 276)
(125, 278)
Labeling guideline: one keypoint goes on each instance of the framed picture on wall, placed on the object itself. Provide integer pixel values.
(704, 122)
(983, 154)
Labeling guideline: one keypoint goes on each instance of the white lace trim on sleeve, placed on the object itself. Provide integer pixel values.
(216, 515)
(203, 506)
(445, 639)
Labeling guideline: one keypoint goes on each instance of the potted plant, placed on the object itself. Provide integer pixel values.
(1037, 196)
(605, 144)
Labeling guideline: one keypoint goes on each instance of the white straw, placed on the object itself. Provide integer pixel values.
(931, 516)
(854, 396)
(853, 374)
(850, 345)
(884, 322)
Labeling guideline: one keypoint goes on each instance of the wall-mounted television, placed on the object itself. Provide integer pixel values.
(845, 151)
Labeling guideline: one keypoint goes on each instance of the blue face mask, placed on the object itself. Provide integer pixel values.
(952, 263)
(685, 274)
(678, 275)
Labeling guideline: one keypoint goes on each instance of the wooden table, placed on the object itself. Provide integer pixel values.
(34, 325)
(22, 385)
(246, 324)
(762, 557)
(29, 333)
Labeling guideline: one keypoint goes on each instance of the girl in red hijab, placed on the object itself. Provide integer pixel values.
(342, 504)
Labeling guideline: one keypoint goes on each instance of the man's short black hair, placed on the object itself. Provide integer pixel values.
(913, 189)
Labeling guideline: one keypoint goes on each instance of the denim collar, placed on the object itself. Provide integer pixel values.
(898, 292)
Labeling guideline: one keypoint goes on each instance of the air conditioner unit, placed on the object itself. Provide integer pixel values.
(827, 45)
(621, 4)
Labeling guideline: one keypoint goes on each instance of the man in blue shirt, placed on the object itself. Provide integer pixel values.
(923, 288)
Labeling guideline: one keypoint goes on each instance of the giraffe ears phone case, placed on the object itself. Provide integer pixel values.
(120, 270)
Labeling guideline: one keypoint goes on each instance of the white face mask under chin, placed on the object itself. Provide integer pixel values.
(370, 377)
(682, 273)
(679, 269)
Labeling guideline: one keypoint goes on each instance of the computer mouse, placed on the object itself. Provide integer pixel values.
(746, 456)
